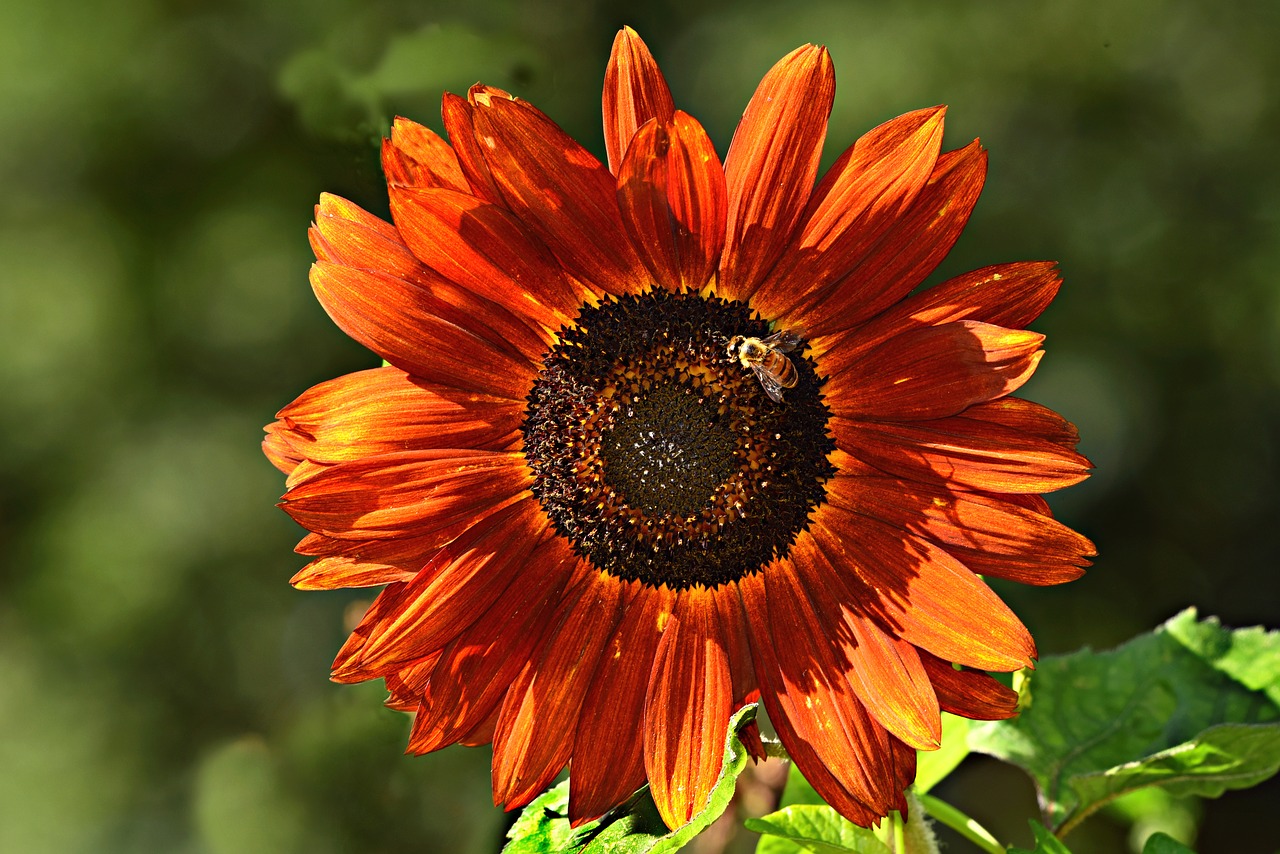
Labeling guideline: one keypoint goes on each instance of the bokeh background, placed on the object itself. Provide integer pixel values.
(161, 686)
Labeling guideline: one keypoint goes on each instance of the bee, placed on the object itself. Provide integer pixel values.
(764, 356)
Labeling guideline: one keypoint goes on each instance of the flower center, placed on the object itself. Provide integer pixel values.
(660, 456)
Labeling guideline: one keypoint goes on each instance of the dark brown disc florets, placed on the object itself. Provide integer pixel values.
(659, 457)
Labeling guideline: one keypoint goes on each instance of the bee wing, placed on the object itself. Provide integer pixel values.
(783, 341)
(769, 382)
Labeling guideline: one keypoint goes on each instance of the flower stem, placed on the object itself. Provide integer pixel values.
(961, 824)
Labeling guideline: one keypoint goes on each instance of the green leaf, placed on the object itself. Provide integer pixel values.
(1046, 842)
(1187, 707)
(635, 827)
(1249, 656)
(543, 824)
(934, 765)
(810, 827)
(1160, 843)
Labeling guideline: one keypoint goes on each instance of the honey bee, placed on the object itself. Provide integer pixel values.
(764, 356)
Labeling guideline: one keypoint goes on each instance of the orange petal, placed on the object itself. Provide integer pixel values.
(362, 559)
(484, 731)
(417, 333)
(475, 670)
(535, 732)
(1030, 449)
(735, 626)
(885, 672)
(459, 584)
(347, 234)
(936, 371)
(634, 92)
(344, 661)
(334, 573)
(772, 163)
(407, 686)
(860, 199)
(968, 693)
(384, 410)
(1009, 295)
(906, 253)
(815, 771)
(671, 193)
(805, 687)
(922, 594)
(407, 494)
(278, 447)
(687, 709)
(1032, 570)
(559, 191)
(1034, 503)
(483, 248)
(968, 524)
(415, 156)
(459, 123)
(608, 762)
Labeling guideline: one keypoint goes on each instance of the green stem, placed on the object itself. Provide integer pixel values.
(961, 824)
(774, 749)
(899, 834)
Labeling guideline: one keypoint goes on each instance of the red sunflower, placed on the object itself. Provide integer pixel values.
(660, 438)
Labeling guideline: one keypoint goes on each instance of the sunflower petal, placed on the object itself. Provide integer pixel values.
(968, 524)
(475, 670)
(936, 371)
(808, 696)
(968, 693)
(734, 628)
(1007, 445)
(459, 584)
(408, 684)
(634, 92)
(861, 198)
(415, 156)
(535, 731)
(1009, 295)
(608, 758)
(817, 774)
(278, 447)
(347, 234)
(395, 555)
(906, 253)
(884, 671)
(687, 709)
(772, 163)
(406, 494)
(920, 593)
(671, 192)
(340, 572)
(483, 248)
(412, 330)
(459, 122)
(384, 410)
(558, 190)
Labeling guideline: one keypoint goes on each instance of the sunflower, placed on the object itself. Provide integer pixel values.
(661, 438)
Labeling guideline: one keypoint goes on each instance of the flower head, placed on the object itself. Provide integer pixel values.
(662, 437)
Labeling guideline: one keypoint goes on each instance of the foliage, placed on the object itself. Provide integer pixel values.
(1188, 708)
(634, 828)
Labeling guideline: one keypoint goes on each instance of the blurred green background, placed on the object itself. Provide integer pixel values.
(163, 689)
